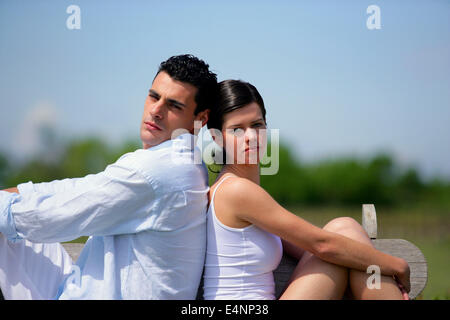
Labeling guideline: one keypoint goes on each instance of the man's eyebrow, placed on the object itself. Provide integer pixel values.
(173, 101)
(153, 92)
(239, 124)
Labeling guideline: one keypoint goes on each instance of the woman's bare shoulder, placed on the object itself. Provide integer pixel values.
(227, 199)
(236, 183)
(237, 190)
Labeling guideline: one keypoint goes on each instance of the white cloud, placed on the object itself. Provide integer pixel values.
(38, 129)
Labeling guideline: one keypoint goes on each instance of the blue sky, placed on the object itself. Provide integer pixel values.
(332, 86)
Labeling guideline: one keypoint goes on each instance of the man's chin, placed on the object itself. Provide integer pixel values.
(148, 143)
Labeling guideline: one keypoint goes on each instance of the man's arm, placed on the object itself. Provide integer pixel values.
(12, 190)
(118, 200)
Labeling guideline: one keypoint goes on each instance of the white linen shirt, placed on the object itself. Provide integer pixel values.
(145, 215)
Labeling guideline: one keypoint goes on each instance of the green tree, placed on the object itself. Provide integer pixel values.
(290, 184)
(35, 170)
(409, 186)
(4, 169)
(84, 157)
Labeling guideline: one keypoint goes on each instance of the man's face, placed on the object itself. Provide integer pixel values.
(170, 105)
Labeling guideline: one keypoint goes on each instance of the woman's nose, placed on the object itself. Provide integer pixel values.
(251, 135)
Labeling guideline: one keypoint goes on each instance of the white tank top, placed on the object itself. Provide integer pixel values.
(239, 261)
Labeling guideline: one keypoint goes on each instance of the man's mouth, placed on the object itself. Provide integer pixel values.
(152, 126)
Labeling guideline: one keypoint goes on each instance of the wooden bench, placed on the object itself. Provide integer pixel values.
(396, 247)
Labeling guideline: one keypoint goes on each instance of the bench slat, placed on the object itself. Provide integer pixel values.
(73, 249)
(415, 258)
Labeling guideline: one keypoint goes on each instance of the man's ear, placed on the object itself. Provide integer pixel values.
(217, 137)
(203, 116)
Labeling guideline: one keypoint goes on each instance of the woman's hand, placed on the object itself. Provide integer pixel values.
(403, 277)
(402, 290)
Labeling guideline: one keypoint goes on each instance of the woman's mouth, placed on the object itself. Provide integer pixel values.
(251, 149)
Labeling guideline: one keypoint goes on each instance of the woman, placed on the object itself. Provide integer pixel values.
(245, 225)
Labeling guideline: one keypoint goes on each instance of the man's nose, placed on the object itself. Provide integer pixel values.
(156, 110)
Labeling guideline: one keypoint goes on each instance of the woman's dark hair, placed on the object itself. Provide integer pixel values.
(232, 95)
(190, 69)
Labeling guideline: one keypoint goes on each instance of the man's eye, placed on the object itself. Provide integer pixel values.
(153, 97)
(175, 106)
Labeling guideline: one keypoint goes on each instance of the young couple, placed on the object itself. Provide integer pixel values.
(151, 230)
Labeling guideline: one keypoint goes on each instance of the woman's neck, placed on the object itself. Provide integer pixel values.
(250, 172)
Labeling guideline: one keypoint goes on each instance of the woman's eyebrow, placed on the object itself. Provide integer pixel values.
(254, 121)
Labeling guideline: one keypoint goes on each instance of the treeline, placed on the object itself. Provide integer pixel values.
(350, 181)
(341, 181)
(74, 159)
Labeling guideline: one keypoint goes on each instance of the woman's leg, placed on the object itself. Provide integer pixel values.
(358, 279)
(314, 278)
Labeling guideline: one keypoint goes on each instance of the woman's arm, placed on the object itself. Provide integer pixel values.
(253, 204)
(12, 190)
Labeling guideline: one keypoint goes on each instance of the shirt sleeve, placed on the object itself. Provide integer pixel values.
(7, 227)
(53, 187)
(118, 200)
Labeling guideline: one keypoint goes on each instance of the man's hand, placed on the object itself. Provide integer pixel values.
(12, 190)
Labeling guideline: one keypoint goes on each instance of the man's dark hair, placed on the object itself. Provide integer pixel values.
(190, 69)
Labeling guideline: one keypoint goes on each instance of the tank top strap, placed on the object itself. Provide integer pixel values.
(214, 193)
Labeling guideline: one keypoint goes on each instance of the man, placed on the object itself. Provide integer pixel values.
(145, 214)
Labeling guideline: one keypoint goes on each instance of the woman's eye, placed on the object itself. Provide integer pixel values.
(237, 131)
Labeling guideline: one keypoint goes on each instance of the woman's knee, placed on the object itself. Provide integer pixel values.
(342, 223)
(348, 227)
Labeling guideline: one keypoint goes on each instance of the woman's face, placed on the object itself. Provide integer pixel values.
(244, 135)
